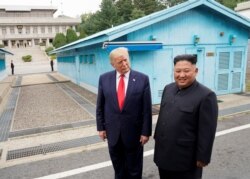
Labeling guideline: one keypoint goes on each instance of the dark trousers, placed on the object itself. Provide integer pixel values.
(12, 71)
(192, 174)
(127, 162)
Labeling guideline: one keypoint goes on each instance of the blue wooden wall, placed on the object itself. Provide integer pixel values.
(2, 66)
(221, 63)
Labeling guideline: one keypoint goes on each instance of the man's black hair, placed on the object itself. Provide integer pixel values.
(186, 57)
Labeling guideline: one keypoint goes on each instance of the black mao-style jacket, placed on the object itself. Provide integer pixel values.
(186, 127)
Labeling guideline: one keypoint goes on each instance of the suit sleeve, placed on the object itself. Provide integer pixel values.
(207, 124)
(147, 110)
(100, 121)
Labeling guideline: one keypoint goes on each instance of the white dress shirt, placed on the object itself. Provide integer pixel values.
(126, 77)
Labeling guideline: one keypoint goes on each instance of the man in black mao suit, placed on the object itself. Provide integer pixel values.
(127, 126)
(186, 125)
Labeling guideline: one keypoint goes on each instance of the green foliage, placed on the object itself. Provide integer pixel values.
(42, 44)
(136, 13)
(89, 24)
(108, 16)
(113, 13)
(71, 36)
(47, 50)
(175, 2)
(53, 57)
(59, 40)
(1, 45)
(228, 3)
(27, 58)
(116, 12)
(124, 10)
(82, 33)
(148, 6)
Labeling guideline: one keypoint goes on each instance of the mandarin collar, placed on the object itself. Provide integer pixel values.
(187, 89)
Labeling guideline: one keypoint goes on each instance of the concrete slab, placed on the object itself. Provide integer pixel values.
(232, 100)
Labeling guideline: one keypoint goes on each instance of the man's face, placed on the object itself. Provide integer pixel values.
(184, 73)
(121, 64)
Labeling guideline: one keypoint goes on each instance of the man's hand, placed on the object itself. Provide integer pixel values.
(200, 164)
(103, 135)
(144, 139)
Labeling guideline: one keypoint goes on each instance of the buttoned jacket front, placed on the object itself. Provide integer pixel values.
(135, 119)
(186, 127)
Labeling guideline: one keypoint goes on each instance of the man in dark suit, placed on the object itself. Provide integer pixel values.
(52, 64)
(12, 67)
(186, 125)
(124, 116)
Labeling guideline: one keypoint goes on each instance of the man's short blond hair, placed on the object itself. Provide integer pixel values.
(117, 52)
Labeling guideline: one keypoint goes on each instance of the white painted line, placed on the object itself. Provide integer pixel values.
(77, 171)
(235, 129)
(108, 163)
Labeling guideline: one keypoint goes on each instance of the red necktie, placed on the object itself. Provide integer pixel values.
(121, 92)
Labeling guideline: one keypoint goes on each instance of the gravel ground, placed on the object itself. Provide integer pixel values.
(46, 105)
(83, 92)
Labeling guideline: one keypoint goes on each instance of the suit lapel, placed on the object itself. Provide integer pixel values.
(130, 88)
(113, 89)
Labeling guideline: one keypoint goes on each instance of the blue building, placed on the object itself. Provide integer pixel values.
(216, 34)
(3, 72)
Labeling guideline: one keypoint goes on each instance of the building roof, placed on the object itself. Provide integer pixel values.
(38, 20)
(123, 29)
(5, 51)
(242, 6)
(28, 8)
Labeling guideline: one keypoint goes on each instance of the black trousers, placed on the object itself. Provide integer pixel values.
(12, 71)
(127, 162)
(191, 174)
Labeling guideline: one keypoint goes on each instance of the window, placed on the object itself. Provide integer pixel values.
(43, 29)
(92, 59)
(12, 30)
(27, 30)
(50, 29)
(4, 30)
(85, 59)
(35, 30)
(57, 29)
(63, 28)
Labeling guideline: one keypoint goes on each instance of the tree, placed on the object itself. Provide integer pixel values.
(71, 35)
(59, 40)
(115, 12)
(125, 9)
(90, 24)
(108, 15)
(136, 13)
(228, 3)
(82, 34)
(175, 2)
(148, 6)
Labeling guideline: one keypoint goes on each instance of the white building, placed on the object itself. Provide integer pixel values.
(22, 26)
(243, 8)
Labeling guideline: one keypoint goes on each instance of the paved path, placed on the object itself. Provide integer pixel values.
(47, 114)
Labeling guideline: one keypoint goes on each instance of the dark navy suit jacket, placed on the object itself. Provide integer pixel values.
(136, 117)
(186, 127)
